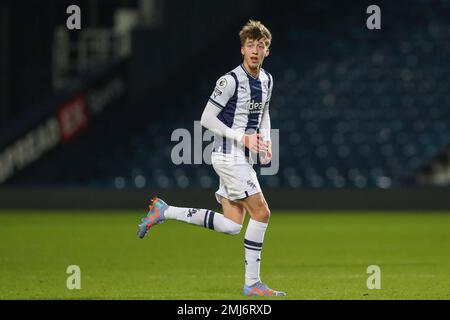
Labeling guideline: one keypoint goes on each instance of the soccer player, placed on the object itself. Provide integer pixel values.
(238, 114)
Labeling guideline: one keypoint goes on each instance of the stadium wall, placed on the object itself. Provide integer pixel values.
(289, 199)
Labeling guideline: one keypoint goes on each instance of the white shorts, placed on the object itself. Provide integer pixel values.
(238, 179)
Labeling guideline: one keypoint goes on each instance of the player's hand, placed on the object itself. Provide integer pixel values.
(267, 156)
(255, 143)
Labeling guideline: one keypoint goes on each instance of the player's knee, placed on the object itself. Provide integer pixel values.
(263, 213)
(266, 213)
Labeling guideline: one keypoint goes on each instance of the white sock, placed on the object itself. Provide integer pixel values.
(254, 237)
(203, 217)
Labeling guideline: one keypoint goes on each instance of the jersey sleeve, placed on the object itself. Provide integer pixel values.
(210, 121)
(265, 124)
(223, 91)
(265, 119)
(270, 88)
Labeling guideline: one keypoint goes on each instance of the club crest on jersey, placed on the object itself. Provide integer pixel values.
(254, 107)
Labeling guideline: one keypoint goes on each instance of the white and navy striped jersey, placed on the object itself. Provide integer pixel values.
(242, 99)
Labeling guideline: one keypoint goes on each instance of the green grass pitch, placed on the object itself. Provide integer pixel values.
(310, 255)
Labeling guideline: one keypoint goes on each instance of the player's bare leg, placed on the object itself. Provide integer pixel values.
(257, 207)
(233, 210)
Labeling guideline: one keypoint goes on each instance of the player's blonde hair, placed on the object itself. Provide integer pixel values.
(255, 30)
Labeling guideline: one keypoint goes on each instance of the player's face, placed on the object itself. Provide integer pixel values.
(254, 52)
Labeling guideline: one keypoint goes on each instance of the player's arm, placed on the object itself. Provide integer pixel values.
(265, 136)
(265, 130)
(210, 121)
(265, 125)
(218, 100)
(265, 119)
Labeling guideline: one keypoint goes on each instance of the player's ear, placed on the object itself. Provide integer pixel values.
(242, 50)
(267, 53)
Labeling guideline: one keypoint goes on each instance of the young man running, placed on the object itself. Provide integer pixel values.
(238, 114)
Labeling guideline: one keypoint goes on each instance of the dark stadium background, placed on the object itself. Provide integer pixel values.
(364, 116)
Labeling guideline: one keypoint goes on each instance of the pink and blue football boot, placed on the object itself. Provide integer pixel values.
(155, 216)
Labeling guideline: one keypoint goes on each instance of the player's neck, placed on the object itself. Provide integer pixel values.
(253, 72)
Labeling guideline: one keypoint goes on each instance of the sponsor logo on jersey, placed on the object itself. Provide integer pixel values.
(254, 107)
